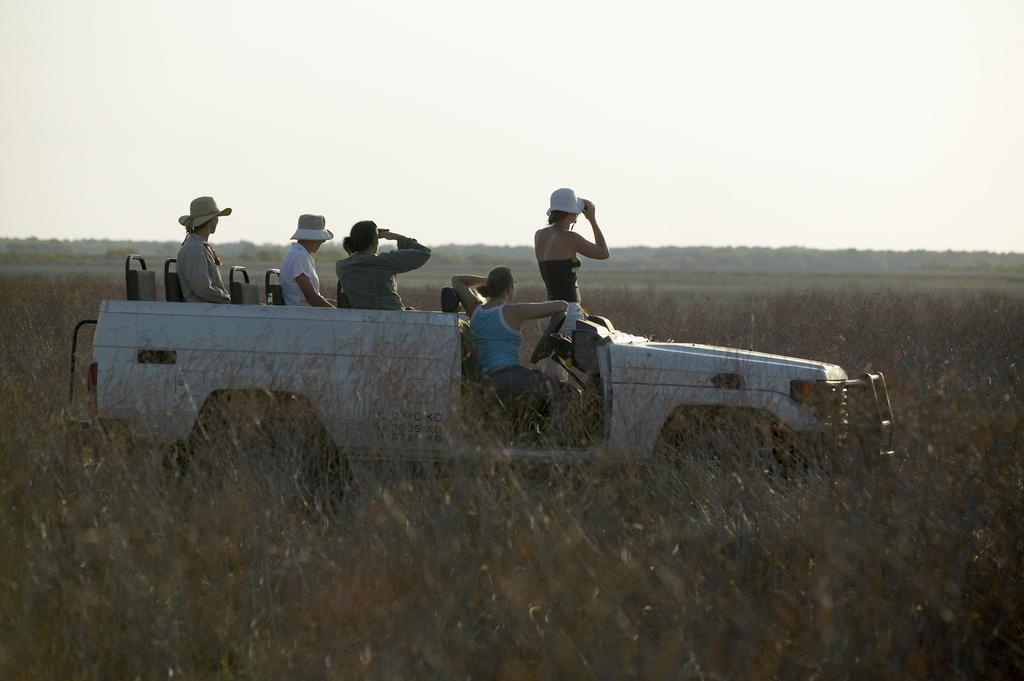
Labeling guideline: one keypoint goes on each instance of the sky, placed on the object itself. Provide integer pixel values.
(890, 124)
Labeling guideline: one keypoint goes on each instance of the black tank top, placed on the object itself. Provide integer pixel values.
(560, 279)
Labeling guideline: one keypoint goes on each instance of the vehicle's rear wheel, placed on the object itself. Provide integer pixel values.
(272, 439)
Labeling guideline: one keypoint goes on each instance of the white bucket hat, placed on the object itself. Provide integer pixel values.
(565, 200)
(312, 228)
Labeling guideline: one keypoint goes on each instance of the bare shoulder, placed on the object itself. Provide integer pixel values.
(555, 244)
(541, 236)
(541, 242)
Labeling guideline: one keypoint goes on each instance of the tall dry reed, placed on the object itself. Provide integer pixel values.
(117, 562)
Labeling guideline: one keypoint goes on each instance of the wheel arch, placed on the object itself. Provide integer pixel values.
(641, 411)
(684, 416)
(253, 399)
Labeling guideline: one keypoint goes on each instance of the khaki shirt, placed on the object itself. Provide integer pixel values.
(198, 274)
(368, 279)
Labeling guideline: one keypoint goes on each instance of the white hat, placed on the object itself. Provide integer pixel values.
(565, 200)
(312, 228)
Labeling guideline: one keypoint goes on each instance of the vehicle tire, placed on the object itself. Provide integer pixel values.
(720, 439)
(275, 440)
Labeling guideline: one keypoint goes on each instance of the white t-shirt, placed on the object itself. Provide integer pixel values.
(297, 261)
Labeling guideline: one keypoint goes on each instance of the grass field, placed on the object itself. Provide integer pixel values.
(115, 565)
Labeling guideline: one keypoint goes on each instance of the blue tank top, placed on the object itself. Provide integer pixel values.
(497, 343)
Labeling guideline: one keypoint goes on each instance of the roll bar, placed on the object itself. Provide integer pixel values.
(74, 351)
(237, 268)
(139, 284)
(128, 262)
(268, 292)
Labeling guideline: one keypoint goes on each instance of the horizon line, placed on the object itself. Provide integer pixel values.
(506, 245)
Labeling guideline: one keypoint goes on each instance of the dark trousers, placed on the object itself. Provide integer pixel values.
(519, 387)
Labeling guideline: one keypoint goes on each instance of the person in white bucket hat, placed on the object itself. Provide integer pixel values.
(197, 261)
(558, 248)
(299, 283)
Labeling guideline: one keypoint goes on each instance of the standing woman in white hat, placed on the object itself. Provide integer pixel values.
(558, 249)
(197, 260)
(299, 283)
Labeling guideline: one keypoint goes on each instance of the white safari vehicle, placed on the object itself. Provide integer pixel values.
(402, 384)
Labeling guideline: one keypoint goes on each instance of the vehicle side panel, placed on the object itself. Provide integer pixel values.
(649, 381)
(375, 377)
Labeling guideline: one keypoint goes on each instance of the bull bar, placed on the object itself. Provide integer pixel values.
(858, 410)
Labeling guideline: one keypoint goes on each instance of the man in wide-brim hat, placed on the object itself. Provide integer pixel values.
(299, 283)
(198, 273)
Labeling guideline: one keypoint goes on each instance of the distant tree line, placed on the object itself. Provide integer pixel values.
(631, 257)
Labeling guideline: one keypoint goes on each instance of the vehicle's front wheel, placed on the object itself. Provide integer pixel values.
(720, 439)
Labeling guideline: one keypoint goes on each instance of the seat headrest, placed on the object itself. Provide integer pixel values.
(449, 300)
(172, 288)
(245, 294)
(141, 284)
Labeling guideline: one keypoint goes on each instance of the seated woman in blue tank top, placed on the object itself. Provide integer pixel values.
(494, 321)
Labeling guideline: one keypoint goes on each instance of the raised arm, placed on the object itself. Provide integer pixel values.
(517, 313)
(410, 254)
(598, 249)
(465, 286)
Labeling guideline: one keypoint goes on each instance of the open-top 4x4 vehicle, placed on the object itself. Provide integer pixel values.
(402, 384)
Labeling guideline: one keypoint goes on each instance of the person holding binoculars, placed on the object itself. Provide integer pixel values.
(558, 248)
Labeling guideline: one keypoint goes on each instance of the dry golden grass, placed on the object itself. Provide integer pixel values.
(115, 565)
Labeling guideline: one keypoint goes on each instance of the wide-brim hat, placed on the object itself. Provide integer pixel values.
(313, 228)
(565, 200)
(201, 211)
